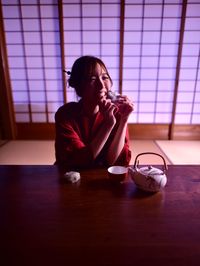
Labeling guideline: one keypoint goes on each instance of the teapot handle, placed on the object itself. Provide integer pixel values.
(144, 153)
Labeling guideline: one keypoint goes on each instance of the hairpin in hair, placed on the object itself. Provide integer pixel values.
(68, 72)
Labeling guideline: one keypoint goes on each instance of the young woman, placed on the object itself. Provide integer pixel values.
(92, 132)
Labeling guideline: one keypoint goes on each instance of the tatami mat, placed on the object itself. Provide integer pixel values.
(181, 152)
(27, 152)
(42, 152)
(140, 146)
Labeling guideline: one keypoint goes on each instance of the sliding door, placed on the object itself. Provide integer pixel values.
(151, 48)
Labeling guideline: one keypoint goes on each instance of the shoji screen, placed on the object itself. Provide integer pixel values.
(188, 102)
(146, 56)
(92, 28)
(150, 56)
(33, 45)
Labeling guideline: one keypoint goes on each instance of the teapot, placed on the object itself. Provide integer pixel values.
(148, 178)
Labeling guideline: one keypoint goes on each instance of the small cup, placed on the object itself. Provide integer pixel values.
(117, 174)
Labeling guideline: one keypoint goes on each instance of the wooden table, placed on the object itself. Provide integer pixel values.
(44, 221)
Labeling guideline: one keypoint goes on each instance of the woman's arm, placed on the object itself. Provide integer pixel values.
(117, 143)
(125, 108)
(107, 109)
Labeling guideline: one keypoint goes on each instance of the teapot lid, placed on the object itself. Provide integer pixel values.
(150, 171)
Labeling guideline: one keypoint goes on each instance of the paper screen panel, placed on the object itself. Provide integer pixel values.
(150, 52)
(188, 102)
(150, 57)
(34, 57)
(92, 28)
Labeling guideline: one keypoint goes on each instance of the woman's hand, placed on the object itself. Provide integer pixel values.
(108, 109)
(125, 106)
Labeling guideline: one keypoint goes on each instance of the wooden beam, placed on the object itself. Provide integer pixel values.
(42, 131)
(7, 118)
(182, 28)
(148, 131)
(62, 49)
(121, 46)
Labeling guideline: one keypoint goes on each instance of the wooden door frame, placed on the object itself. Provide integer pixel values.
(7, 117)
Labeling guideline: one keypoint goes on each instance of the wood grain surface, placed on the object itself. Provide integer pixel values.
(46, 221)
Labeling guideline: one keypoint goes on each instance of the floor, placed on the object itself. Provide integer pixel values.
(42, 152)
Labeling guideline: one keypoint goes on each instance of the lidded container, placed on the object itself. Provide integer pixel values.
(148, 178)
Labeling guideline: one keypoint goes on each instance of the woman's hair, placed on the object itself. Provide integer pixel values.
(82, 69)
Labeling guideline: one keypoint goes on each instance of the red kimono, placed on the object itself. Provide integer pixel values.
(74, 131)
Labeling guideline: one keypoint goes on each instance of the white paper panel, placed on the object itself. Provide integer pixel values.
(150, 49)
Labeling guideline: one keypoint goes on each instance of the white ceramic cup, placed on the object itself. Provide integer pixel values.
(117, 173)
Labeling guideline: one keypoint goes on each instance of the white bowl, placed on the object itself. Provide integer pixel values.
(117, 173)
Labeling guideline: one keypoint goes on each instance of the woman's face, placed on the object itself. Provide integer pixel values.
(96, 85)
